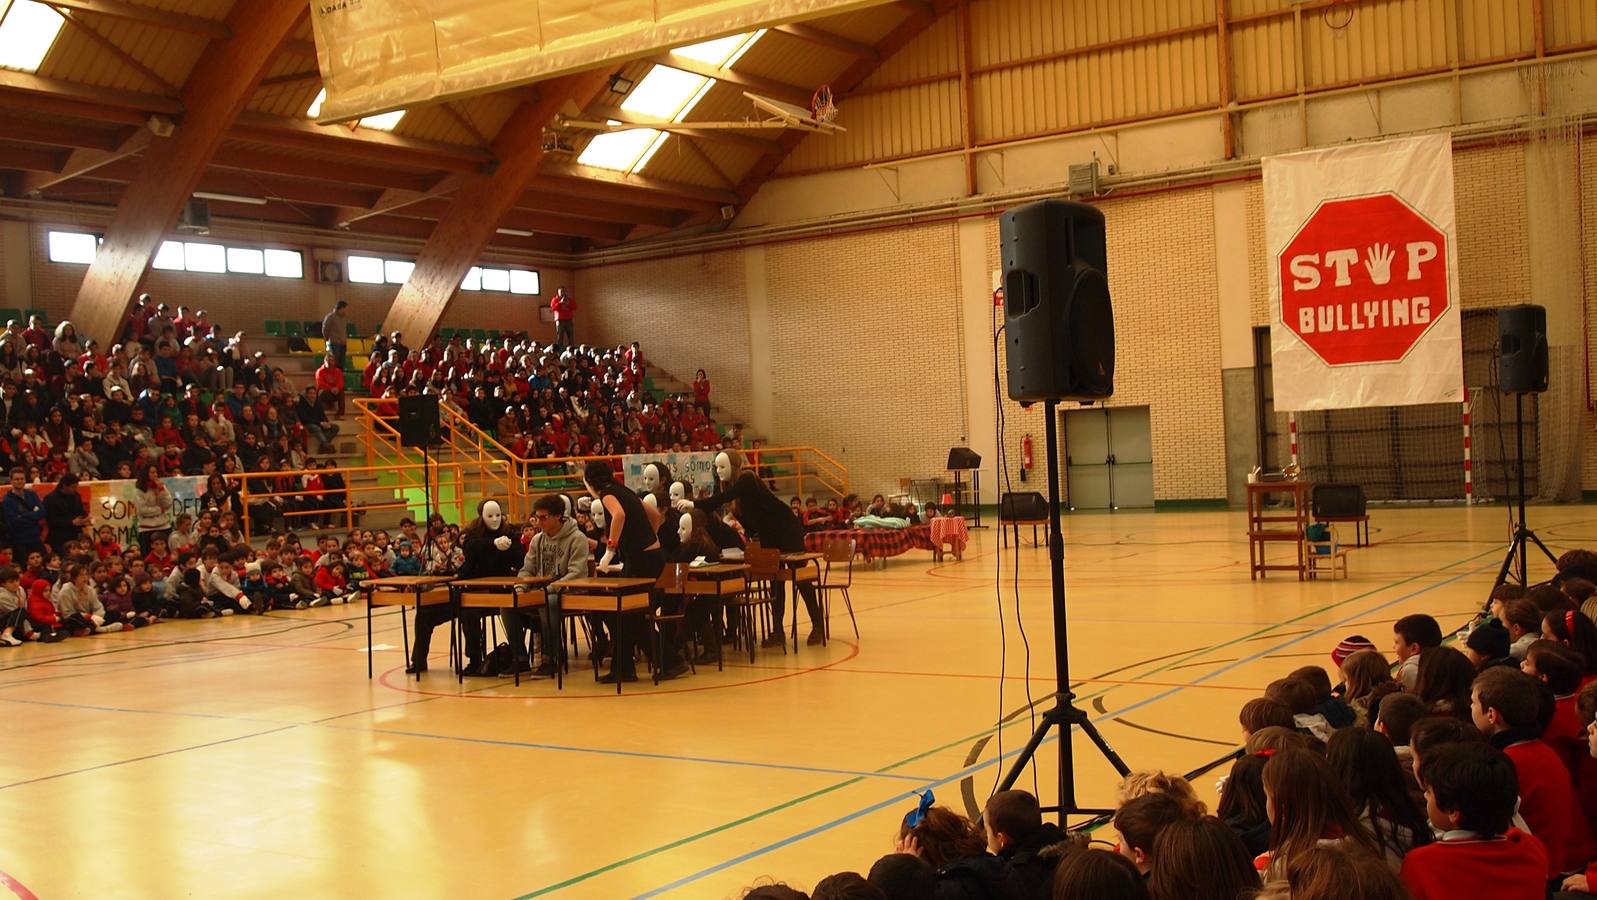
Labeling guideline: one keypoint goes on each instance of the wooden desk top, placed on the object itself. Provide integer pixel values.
(605, 585)
(405, 581)
(715, 569)
(503, 581)
(794, 558)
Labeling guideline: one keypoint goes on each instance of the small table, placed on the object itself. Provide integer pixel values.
(397, 587)
(605, 595)
(796, 568)
(716, 580)
(490, 593)
(1264, 526)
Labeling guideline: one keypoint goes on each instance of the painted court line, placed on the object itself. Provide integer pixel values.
(985, 764)
(577, 879)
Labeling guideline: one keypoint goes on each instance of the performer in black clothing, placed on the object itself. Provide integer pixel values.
(764, 517)
(632, 534)
(490, 550)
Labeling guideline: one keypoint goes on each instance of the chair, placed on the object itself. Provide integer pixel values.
(669, 583)
(350, 330)
(493, 334)
(765, 566)
(1323, 548)
(7, 315)
(352, 381)
(445, 334)
(274, 328)
(834, 553)
(38, 312)
(479, 335)
(293, 329)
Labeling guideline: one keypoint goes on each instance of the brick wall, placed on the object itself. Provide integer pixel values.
(866, 351)
(688, 312)
(1588, 202)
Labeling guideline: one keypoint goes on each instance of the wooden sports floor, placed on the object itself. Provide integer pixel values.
(251, 757)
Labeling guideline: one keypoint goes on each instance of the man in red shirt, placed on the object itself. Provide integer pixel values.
(1506, 705)
(330, 383)
(1470, 789)
(563, 307)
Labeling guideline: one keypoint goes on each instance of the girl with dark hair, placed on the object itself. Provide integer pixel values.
(1444, 681)
(1367, 765)
(1200, 859)
(1575, 631)
(1242, 805)
(1094, 874)
(1308, 807)
(634, 536)
(1331, 873)
(957, 849)
(1362, 673)
(152, 504)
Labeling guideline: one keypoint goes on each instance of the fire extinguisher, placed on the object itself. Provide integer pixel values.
(1025, 456)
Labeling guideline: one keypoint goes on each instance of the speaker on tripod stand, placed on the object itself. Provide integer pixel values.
(1060, 333)
(418, 427)
(1521, 369)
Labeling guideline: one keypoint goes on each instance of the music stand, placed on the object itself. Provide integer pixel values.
(964, 459)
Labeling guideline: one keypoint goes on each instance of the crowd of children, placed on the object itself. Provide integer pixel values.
(95, 586)
(1441, 771)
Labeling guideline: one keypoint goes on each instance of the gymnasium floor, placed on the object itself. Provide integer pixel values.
(250, 757)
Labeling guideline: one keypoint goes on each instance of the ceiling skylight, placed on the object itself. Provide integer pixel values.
(621, 150)
(666, 93)
(721, 52)
(26, 34)
(382, 122)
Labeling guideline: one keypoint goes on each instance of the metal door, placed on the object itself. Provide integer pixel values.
(1109, 458)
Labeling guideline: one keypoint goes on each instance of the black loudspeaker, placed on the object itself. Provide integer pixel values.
(963, 458)
(1060, 326)
(1030, 505)
(1522, 349)
(1338, 501)
(418, 421)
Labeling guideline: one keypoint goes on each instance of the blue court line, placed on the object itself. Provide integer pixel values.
(635, 754)
(985, 764)
(597, 751)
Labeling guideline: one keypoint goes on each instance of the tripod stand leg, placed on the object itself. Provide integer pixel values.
(1026, 754)
(1508, 562)
(1538, 541)
(1109, 753)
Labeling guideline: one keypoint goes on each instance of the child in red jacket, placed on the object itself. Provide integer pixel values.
(331, 582)
(1470, 789)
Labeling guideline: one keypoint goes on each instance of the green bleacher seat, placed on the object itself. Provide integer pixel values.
(350, 327)
(313, 328)
(479, 335)
(445, 334)
(352, 381)
(293, 329)
(7, 315)
(40, 313)
(493, 334)
(353, 363)
(274, 329)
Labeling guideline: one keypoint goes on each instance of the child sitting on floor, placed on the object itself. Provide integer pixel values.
(1470, 790)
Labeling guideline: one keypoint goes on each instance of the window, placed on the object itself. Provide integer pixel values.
(473, 280)
(664, 93)
(27, 33)
(721, 52)
(496, 280)
(72, 247)
(246, 261)
(396, 271)
(316, 105)
(523, 281)
(284, 264)
(170, 256)
(619, 150)
(204, 257)
(365, 270)
(381, 122)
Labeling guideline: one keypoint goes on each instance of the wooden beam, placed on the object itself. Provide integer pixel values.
(704, 158)
(587, 190)
(395, 199)
(593, 209)
(291, 78)
(225, 76)
(1228, 137)
(691, 192)
(918, 9)
(829, 40)
(525, 220)
(83, 161)
(110, 46)
(54, 90)
(366, 144)
(482, 201)
(37, 131)
(251, 160)
(770, 87)
(144, 15)
(300, 47)
(27, 159)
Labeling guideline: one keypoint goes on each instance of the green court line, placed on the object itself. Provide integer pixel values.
(788, 804)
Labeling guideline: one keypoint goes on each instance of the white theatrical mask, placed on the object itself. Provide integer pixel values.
(684, 527)
(723, 469)
(651, 477)
(492, 515)
(678, 492)
(650, 501)
(596, 512)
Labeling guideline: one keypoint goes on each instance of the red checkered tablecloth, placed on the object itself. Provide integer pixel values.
(875, 543)
(950, 530)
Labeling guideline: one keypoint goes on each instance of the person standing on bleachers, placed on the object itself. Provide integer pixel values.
(335, 330)
(563, 307)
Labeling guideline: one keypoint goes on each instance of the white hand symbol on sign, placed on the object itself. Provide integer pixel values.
(1378, 262)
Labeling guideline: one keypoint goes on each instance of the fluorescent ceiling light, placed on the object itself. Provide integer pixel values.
(27, 32)
(229, 198)
(513, 232)
(316, 105)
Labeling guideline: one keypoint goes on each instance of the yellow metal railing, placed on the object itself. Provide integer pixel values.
(445, 481)
(492, 470)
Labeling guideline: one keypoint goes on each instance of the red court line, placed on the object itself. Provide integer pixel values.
(645, 689)
(17, 887)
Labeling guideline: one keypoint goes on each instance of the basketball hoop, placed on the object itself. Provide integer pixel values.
(822, 109)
